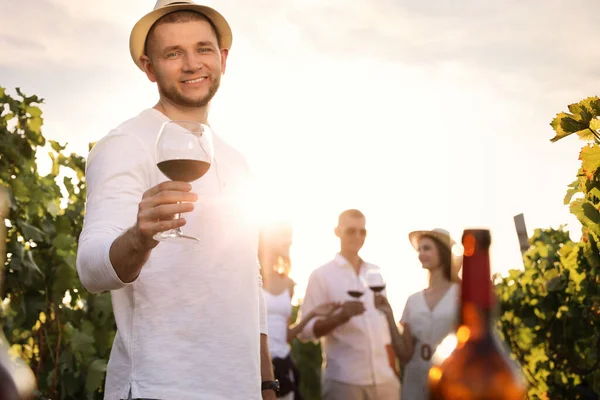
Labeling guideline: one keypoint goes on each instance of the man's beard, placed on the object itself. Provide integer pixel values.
(172, 94)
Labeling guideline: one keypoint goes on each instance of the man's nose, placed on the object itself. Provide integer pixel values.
(192, 63)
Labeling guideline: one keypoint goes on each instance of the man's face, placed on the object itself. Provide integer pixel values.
(185, 61)
(352, 233)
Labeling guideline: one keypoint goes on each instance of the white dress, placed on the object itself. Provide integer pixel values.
(279, 310)
(429, 327)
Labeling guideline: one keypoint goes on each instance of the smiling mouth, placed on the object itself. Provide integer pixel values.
(195, 80)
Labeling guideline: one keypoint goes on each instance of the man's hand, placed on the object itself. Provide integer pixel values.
(326, 309)
(158, 208)
(130, 251)
(351, 308)
(347, 310)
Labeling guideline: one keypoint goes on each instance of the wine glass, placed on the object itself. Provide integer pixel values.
(184, 152)
(375, 280)
(357, 290)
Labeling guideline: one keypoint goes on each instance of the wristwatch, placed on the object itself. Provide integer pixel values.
(270, 385)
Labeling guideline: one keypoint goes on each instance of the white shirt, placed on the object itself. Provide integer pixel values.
(429, 327)
(355, 352)
(189, 326)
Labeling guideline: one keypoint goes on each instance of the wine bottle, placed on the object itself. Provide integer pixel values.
(479, 367)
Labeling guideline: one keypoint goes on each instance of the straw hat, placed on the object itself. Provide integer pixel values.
(137, 40)
(444, 237)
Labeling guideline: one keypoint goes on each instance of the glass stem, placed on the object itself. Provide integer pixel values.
(178, 229)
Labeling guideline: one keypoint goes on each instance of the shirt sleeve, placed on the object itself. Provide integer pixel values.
(116, 179)
(316, 294)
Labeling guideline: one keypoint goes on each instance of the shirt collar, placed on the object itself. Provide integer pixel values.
(341, 261)
(208, 134)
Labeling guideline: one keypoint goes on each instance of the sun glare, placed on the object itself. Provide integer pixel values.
(444, 349)
(457, 250)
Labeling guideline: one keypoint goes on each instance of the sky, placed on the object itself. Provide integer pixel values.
(420, 113)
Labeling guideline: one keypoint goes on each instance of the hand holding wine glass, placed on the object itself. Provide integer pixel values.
(158, 207)
(351, 308)
(326, 309)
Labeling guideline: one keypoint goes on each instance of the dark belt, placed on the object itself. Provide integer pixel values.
(426, 352)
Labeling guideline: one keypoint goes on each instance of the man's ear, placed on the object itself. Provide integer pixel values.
(148, 68)
(224, 54)
(337, 231)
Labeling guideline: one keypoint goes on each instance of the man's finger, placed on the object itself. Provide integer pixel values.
(163, 226)
(168, 185)
(165, 211)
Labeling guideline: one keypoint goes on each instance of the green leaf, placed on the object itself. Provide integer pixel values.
(57, 147)
(557, 284)
(95, 375)
(34, 111)
(586, 134)
(101, 308)
(595, 192)
(65, 279)
(564, 125)
(591, 212)
(573, 189)
(31, 264)
(63, 242)
(595, 125)
(581, 111)
(82, 344)
(53, 208)
(592, 104)
(561, 310)
(20, 190)
(31, 232)
(64, 225)
(577, 278)
(590, 159)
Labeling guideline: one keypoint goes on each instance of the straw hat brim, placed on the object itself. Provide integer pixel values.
(137, 39)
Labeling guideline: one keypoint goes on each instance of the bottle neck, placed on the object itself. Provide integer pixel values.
(477, 297)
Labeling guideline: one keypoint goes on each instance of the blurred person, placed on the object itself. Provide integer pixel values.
(274, 257)
(354, 339)
(430, 314)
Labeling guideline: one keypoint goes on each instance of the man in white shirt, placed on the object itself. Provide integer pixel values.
(190, 316)
(354, 339)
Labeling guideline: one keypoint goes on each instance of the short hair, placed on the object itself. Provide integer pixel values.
(353, 213)
(177, 17)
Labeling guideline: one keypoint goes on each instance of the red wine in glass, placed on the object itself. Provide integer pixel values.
(183, 170)
(355, 293)
(375, 280)
(377, 288)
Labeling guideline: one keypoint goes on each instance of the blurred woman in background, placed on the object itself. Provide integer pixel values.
(274, 257)
(430, 314)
